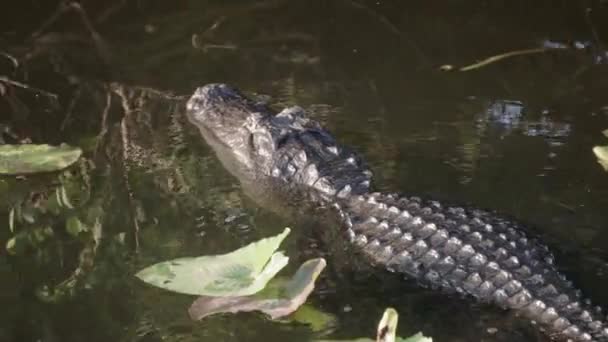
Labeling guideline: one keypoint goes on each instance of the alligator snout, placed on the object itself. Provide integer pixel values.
(212, 94)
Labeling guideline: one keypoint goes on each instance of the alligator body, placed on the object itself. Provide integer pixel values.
(473, 252)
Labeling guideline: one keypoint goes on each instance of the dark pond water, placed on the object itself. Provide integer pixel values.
(514, 136)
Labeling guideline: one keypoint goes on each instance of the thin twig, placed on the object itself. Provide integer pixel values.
(216, 24)
(70, 108)
(109, 11)
(502, 56)
(207, 33)
(104, 121)
(589, 21)
(126, 141)
(18, 107)
(7, 80)
(61, 8)
(10, 57)
(86, 263)
(100, 44)
(160, 93)
(207, 47)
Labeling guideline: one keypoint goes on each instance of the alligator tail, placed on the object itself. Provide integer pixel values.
(471, 252)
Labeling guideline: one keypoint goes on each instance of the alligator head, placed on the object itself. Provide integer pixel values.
(255, 144)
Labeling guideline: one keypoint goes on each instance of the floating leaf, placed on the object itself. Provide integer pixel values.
(239, 273)
(11, 220)
(29, 158)
(601, 152)
(290, 296)
(14, 245)
(387, 329)
(315, 318)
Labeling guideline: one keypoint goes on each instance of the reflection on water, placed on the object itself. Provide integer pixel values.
(515, 136)
(509, 116)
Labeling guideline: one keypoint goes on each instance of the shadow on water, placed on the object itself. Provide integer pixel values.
(515, 136)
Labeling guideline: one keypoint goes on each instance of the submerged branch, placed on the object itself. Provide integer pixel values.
(6, 80)
(104, 122)
(108, 12)
(594, 33)
(61, 9)
(117, 87)
(12, 58)
(70, 109)
(86, 264)
(124, 133)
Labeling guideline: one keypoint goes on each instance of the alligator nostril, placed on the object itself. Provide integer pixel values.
(192, 105)
(196, 101)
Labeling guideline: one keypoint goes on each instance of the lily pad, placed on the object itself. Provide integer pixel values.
(240, 273)
(277, 302)
(29, 158)
(387, 330)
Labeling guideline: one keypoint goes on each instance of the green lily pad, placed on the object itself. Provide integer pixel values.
(29, 158)
(278, 302)
(387, 330)
(239, 273)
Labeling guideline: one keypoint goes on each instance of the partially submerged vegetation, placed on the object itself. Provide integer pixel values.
(241, 281)
(387, 331)
(238, 281)
(601, 152)
(242, 272)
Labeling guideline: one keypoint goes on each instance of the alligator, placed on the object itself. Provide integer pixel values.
(472, 252)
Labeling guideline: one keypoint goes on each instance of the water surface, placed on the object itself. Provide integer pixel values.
(514, 136)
